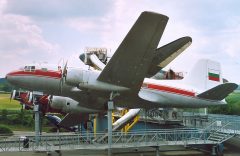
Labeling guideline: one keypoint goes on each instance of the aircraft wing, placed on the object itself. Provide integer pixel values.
(130, 63)
(167, 53)
(72, 119)
(219, 92)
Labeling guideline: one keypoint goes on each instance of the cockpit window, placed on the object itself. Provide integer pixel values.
(44, 69)
(29, 68)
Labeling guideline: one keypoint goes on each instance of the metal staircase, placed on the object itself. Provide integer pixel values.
(219, 137)
(219, 132)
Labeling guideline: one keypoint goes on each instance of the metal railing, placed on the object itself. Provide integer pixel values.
(146, 138)
(222, 127)
(119, 140)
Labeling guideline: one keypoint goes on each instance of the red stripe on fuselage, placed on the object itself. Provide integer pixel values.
(170, 89)
(38, 73)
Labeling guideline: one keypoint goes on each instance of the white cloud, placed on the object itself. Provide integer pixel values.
(55, 9)
(22, 42)
(213, 26)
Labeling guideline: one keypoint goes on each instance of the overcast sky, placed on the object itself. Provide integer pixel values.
(49, 30)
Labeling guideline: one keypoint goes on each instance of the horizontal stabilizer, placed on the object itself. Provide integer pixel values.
(130, 63)
(219, 92)
(73, 119)
(167, 53)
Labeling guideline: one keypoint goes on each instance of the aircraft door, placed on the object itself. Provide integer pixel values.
(85, 77)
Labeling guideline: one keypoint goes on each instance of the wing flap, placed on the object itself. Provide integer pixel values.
(219, 92)
(130, 62)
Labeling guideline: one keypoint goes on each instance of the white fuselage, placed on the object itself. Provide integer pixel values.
(154, 93)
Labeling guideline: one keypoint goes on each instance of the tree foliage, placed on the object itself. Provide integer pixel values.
(232, 107)
(5, 86)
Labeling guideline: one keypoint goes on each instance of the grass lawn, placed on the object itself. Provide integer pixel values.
(6, 104)
(20, 128)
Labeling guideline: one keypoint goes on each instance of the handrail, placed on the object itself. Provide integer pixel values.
(133, 139)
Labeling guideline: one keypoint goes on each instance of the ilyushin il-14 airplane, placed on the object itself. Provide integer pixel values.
(125, 79)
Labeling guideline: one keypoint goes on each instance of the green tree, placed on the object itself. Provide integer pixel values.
(4, 117)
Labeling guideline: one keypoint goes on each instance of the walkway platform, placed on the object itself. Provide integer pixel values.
(119, 140)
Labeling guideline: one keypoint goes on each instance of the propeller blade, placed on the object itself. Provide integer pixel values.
(49, 102)
(13, 94)
(30, 97)
(65, 70)
(63, 78)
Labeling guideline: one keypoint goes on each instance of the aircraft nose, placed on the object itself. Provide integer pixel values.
(6, 77)
(14, 78)
(10, 77)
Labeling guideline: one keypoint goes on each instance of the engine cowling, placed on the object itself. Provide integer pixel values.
(76, 76)
(68, 105)
(87, 79)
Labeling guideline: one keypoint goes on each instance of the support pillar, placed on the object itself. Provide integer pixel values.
(37, 123)
(205, 111)
(213, 151)
(145, 120)
(110, 110)
(36, 110)
(157, 151)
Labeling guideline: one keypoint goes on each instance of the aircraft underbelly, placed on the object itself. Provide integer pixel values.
(168, 99)
(43, 84)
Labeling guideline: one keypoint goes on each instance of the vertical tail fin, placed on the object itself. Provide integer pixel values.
(205, 75)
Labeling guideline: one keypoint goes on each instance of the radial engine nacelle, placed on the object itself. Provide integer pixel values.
(87, 79)
(68, 105)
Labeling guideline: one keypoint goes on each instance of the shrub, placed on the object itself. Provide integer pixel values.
(4, 115)
(4, 130)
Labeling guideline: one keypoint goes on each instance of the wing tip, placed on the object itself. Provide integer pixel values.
(151, 13)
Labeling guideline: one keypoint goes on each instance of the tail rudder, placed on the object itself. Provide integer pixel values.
(205, 75)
